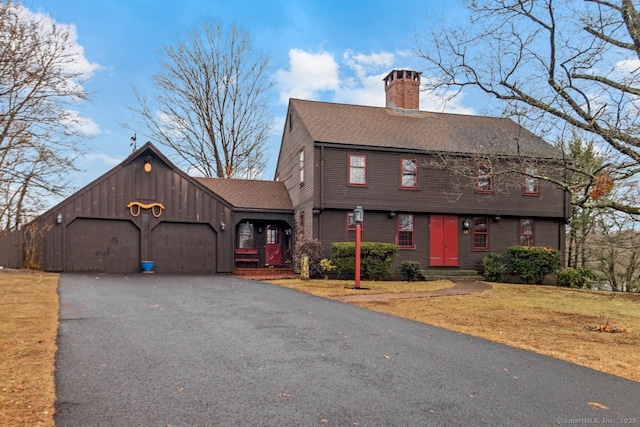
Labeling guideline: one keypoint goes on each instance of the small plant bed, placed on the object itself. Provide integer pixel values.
(332, 288)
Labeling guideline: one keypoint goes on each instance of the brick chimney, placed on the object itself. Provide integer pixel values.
(402, 88)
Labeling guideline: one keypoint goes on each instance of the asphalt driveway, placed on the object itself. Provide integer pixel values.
(153, 350)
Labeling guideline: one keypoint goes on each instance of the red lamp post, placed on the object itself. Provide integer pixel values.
(358, 217)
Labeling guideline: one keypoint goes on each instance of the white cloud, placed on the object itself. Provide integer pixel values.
(631, 66)
(76, 62)
(104, 158)
(360, 81)
(83, 124)
(308, 74)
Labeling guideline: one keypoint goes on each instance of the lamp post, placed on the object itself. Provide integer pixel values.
(358, 217)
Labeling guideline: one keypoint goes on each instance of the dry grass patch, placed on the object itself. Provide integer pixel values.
(333, 288)
(28, 328)
(554, 321)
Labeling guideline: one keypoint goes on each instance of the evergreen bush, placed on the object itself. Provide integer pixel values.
(532, 263)
(375, 259)
(493, 267)
(411, 270)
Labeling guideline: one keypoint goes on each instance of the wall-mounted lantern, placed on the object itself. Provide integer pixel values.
(466, 225)
(288, 232)
(223, 226)
(59, 219)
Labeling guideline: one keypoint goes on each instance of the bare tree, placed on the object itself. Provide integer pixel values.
(211, 102)
(573, 65)
(42, 72)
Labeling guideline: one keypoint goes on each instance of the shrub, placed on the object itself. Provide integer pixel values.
(533, 262)
(493, 267)
(411, 270)
(575, 277)
(313, 249)
(375, 259)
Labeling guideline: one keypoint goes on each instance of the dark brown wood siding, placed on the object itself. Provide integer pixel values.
(380, 227)
(294, 140)
(11, 255)
(436, 192)
(188, 207)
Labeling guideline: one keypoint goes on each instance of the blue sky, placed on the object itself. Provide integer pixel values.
(329, 50)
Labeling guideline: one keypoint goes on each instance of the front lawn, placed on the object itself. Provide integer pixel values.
(559, 322)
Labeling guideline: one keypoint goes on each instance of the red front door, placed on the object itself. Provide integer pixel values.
(274, 247)
(443, 230)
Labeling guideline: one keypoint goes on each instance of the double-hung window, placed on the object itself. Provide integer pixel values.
(481, 233)
(525, 232)
(484, 181)
(405, 231)
(301, 167)
(245, 235)
(409, 174)
(531, 183)
(357, 169)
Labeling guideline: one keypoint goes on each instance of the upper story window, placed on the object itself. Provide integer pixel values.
(531, 183)
(301, 166)
(351, 228)
(405, 231)
(245, 235)
(481, 233)
(357, 169)
(301, 225)
(484, 182)
(409, 173)
(525, 232)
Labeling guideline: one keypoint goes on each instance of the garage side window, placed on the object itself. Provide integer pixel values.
(245, 235)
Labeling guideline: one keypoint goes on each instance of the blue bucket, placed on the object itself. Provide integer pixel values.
(147, 265)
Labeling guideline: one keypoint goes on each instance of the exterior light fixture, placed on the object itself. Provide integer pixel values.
(223, 226)
(358, 217)
(147, 164)
(59, 219)
(466, 224)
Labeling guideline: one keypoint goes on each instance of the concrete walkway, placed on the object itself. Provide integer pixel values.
(460, 288)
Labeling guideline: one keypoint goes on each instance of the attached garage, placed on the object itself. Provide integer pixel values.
(183, 248)
(102, 245)
(146, 209)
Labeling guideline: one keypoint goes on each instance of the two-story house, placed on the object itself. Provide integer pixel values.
(336, 156)
(332, 158)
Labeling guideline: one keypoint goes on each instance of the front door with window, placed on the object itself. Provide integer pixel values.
(273, 245)
(443, 248)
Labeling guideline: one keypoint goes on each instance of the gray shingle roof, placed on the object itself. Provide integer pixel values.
(250, 194)
(418, 130)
